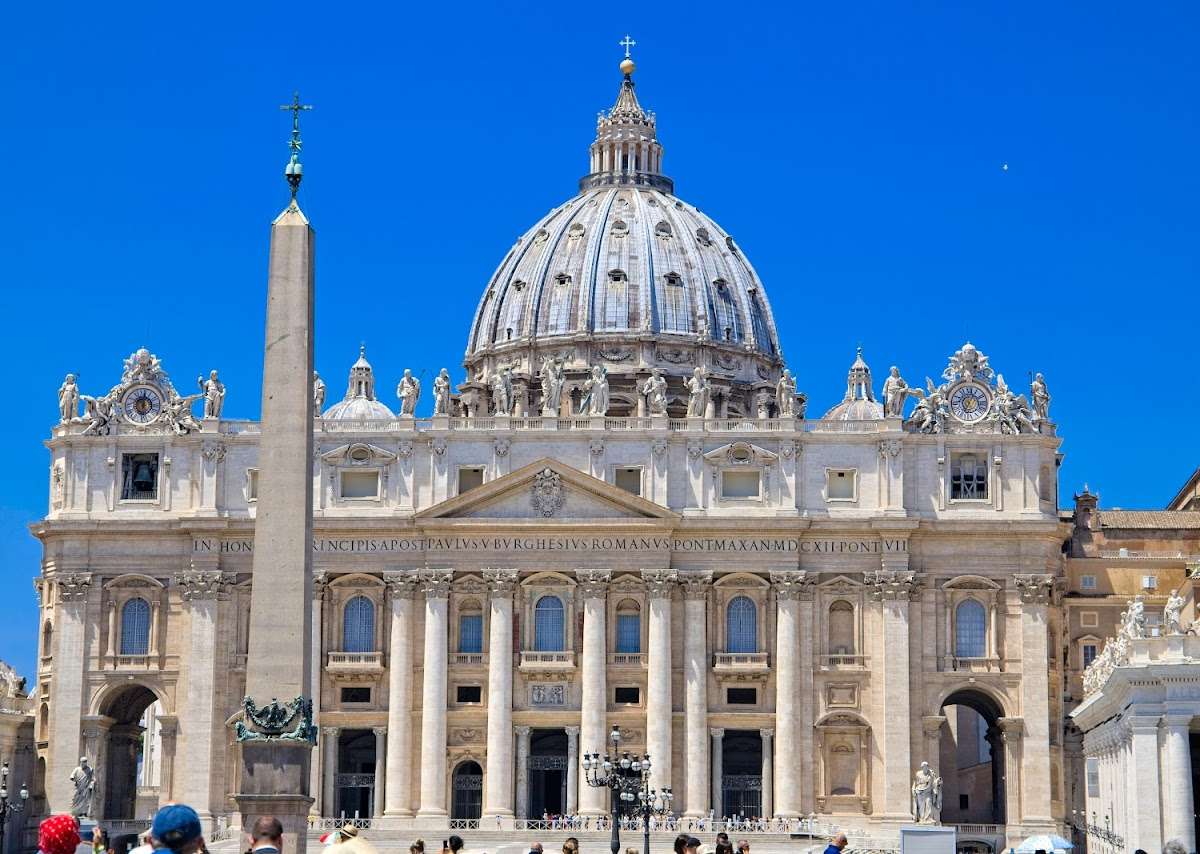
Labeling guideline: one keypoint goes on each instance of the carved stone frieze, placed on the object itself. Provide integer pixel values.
(596, 446)
(659, 447)
(214, 452)
(675, 356)
(501, 446)
(401, 585)
(547, 494)
(889, 448)
(900, 585)
(593, 583)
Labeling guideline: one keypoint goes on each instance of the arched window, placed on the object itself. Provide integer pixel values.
(548, 625)
(676, 314)
(970, 629)
(616, 302)
(470, 632)
(729, 323)
(358, 625)
(629, 628)
(47, 640)
(559, 319)
(841, 628)
(135, 627)
(741, 626)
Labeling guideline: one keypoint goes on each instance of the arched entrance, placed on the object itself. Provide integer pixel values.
(355, 779)
(971, 759)
(741, 773)
(467, 802)
(547, 772)
(118, 741)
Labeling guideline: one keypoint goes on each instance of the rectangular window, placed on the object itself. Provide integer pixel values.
(627, 695)
(360, 484)
(964, 802)
(139, 477)
(840, 484)
(741, 696)
(356, 695)
(1089, 654)
(628, 478)
(741, 484)
(469, 477)
(968, 477)
(468, 694)
(1093, 778)
(629, 633)
(251, 484)
(1089, 619)
(1087, 582)
(1150, 582)
(470, 633)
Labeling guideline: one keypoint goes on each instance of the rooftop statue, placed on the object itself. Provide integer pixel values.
(441, 393)
(553, 382)
(409, 392)
(502, 391)
(318, 395)
(68, 400)
(699, 392)
(895, 392)
(595, 392)
(1040, 397)
(655, 389)
(785, 395)
(214, 395)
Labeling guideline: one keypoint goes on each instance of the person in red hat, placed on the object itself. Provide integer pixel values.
(58, 834)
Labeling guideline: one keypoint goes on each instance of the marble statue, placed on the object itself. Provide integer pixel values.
(441, 393)
(1133, 619)
(1172, 624)
(801, 405)
(214, 394)
(502, 391)
(409, 392)
(99, 415)
(930, 412)
(552, 386)
(595, 392)
(895, 392)
(927, 796)
(762, 405)
(84, 778)
(655, 389)
(785, 395)
(68, 400)
(1040, 397)
(1010, 412)
(699, 391)
(12, 686)
(178, 413)
(318, 395)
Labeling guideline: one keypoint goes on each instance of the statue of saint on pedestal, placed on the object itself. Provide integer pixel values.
(68, 400)
(552, 386)
(84, 778)
(927, 796)
(214, 394)
(699, 391)
(318, 394)
(655, 389)
(441, 393)
(1172, 624)
(595, 392)
(895, 392)
(785, 395)
(409, 392)
(502, 392)
(1040, 395)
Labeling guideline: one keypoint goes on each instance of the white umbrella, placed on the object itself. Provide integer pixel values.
(1045, 842)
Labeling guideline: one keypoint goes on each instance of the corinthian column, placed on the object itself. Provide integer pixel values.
(436, 584)
(498, 798)
(572, 770)
(398, 791)
(593, 586)
(1036, 592)
(1179, 821)
(659, 584)
(695, 587)
(789, 586)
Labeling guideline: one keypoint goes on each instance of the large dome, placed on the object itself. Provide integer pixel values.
(627, 275)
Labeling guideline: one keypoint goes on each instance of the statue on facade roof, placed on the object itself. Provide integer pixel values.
(595, 392)
(214, 395)
(929, 416)
(895, 392)
(655, 389)
(968, 364)
(1172, 624)
(1040, 396)
(98, 414)
(441, 393)
(409, 392)
(1135, 619)
(178, 413)
(1010, 412)
(785, 395)
(502, 391)
(553, 382)
(318, 394)
(68, 400)
(699, 391)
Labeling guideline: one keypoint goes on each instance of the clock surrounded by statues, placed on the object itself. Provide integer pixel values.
(142, 404)
(970, 402)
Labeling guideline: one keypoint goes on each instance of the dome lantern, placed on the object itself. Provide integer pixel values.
(359, 402)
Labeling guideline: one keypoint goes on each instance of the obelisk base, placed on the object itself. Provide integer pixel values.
(270, 770)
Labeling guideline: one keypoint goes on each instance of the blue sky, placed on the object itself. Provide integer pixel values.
(854, 151)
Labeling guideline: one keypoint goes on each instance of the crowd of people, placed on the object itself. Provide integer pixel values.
(703, 824)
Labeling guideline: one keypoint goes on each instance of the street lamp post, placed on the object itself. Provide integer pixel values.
(7, 808)
(628, 780)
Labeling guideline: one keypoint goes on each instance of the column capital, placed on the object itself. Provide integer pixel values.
(902, 585)
(379, 731)
(793, 584)
(593, 583)
(659, 582)
(330, 731)
(695, 585)
(766, 734)
(716, 732)
(435, 583)
(1011, 729)
(932, 724)
(168, 726)
(74, 587)
(401, 585)
(1034, 588)
(204, 585)
(522, 731)
(1141, 724)
(1176, 720)
(320, 585)
(572, 731)
(501, 582)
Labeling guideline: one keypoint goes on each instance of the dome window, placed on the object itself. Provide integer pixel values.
(616, 307)
(542, 236)
(619, 228)
(703, 237)
(721, 284)
(732, 246)
(663, 231)
(562, 280)
(575, 231)
(674, 280)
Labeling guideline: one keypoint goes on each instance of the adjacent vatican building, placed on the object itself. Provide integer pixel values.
(624, 515)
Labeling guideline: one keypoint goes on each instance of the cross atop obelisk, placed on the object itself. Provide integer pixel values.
(627, 43)
(295, 170)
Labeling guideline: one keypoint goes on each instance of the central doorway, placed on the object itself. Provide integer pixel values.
(972, 760)
(547, 772)
(355, 779)
(741, 773)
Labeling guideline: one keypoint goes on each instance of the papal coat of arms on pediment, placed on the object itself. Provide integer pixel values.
(547, 496)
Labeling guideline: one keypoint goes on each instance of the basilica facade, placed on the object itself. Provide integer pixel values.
(624, 516)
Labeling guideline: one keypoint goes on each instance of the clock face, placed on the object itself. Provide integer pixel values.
(142, 404)
(969, 402)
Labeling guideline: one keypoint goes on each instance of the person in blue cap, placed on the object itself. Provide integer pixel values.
(176, 828)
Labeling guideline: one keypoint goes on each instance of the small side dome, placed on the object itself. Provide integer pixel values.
(859, 404)
(359, 404)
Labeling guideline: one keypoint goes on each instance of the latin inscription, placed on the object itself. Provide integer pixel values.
(700, 545)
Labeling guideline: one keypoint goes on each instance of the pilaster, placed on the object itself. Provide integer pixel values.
(70, 653)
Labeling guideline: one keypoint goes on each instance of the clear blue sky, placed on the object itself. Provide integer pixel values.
(854, 150)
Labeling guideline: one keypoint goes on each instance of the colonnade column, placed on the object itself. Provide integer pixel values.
(1179, 823)
(572, 769)
(498, 798)
(718, 746)
(523, 771)
(380, 798)
(659, 586)
(1145, 828)
(401, 589)
(593, 728)
(436, 585)
(329, 740)
(894, 588)
(695, 587)
(70, 594)
(1035, 592)
(768, 768)
(790, 586)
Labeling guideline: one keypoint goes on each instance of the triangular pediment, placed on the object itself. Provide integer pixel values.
(547, 490)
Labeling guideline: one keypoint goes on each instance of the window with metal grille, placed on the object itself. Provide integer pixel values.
(741, 626)
(729, 324)
(470, 633)
(560, 304)
(358, 625)
(135, 627)
(139, 477)
(616, 304)
(676, 317)
(629, 633)
(968, 476)
(970, 629)
(548, 625)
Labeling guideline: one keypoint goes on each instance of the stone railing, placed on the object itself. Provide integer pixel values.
(740, 661)
(627, 659)
(531, 660)
(843, 661)
(133, 662)
(971, 664)
(357, 662)
(468, 659)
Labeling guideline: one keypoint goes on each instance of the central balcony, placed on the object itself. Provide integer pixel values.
(635, 660)
(741, 663)
(547, 662)
(352, 663)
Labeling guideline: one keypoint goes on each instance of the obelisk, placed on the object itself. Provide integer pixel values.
(276, 733)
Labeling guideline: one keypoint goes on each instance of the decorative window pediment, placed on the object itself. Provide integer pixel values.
(358, 454)
(970, 582)
(741, 454)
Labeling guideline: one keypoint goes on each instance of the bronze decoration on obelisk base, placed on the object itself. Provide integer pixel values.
(276, 732)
